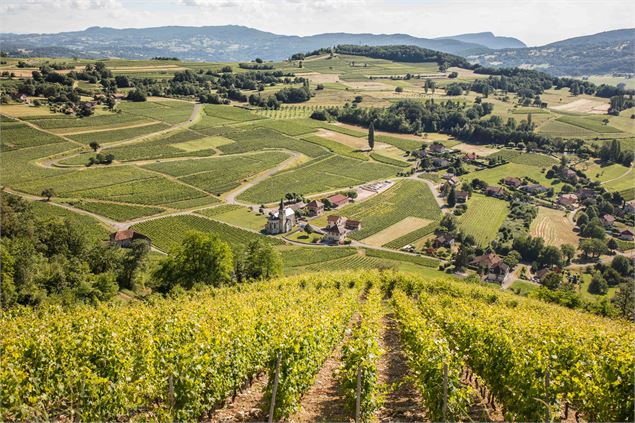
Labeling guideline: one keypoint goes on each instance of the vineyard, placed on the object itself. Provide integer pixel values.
(183, 357)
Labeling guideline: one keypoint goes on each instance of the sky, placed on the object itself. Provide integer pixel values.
(535, 22)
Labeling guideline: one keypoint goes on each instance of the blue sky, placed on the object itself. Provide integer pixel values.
(535, 22)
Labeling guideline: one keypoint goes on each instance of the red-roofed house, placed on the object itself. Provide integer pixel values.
(124, 238)
(607, 220)
(338, 200)
(315, 208)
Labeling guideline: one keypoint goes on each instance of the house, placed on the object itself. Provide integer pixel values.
(124, 238)
(444, 239)
(440, 163)
(462, 196)
(297, 206)
(534, 189)
(539, 275)
(315, 208)
(607, 220)
(493, 267)
(448, 176)
(567, 200)
(486, 261)
(338, 200)
(627, 235)
(335, 234)
(437, 149)
(629, 207)
(469, 157)
(512, 181)
(335, 220)
(353, 225)
(569, 174)
(453, 181)
(280, 221)
(495, 191)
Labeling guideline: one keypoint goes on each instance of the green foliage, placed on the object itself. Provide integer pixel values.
(361, 353)
(202, 258)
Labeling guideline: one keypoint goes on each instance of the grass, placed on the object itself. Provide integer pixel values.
(16, 135)
(493, 175)
(534, 159)
(562, 129)
(202, 144)
(483, 217)
(236, 216)
(192, 203)
(330, 174)
(524, 287)
(90, 226)
(589, 122)
(335, 147)
(219, 174)
(117, 212)
(105, 137)
(401, 143)
(413, 236)
(168, 233)
(389, 160)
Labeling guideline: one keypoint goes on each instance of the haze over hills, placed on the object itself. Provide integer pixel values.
(607, 52)
(225, 43)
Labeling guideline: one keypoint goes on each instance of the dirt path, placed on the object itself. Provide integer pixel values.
(402, 403)
(323, 401)
(248, 406)
(230, 197)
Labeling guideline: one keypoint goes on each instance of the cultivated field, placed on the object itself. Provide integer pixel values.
(554, 226)
(483, 217)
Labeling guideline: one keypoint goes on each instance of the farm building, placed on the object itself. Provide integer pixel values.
(437, 149)
(280, 221)
(338, 200)
(629, 207)
(607, 220)
(534, 189)
(445, 239)
(567, 200)
(627, 235)
(462, 196)
(315, 208)
(469, 157)
(494, 191)
(124, 238)
(512, 181)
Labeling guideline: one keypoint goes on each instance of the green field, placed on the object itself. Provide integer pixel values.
(320, 175)
(592, 123)
(90, 226)
(405, 199)
(169, 111)
(236, 216)
(167, 233)
(219, 174)
(493, 175)
(118, 212)
(258, 139)
(483, 217)
(107, 137)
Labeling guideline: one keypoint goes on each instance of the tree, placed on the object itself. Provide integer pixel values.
(582, 219)
(512, 258)
(132, 262)
(48, 193)
(262, 261)
(612, 244)
(593, 247)
(593, 229)
(94, 145)
(371, 135)
(550, 256)
(624, 300)
(623, 265)
(463, 257)
(449, 222)
(201, 258)
(568, 251)
(598, 285)
(452, 197)
(552, 280)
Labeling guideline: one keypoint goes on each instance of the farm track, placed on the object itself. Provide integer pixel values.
(323, 402)
(402, 401)
(619, 177)
(249, 404)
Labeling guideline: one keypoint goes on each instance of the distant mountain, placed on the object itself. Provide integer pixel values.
(487, 39)
(215, 43)
(604, 53)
